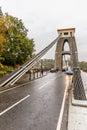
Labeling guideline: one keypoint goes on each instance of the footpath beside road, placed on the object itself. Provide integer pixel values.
(77, 114)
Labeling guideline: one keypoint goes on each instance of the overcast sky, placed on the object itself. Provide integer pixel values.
(43, 17)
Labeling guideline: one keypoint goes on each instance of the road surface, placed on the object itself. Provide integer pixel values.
(33, 106)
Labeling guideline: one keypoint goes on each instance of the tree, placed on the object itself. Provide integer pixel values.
(19, 48)
(3, 38)
(45, 64)
(83, 65)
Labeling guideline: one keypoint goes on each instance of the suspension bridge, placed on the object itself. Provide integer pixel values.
(40, 104)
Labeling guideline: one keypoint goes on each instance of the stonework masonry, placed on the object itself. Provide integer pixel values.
(60, 45)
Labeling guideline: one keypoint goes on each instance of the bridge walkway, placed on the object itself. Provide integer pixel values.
(77, 118)
(77, 114)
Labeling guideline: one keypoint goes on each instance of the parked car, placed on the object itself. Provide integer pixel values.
(63, 70)
(53, 70)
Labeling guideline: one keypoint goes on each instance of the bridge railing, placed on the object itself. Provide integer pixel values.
(17, 74)
(78, 91)
(78, 88)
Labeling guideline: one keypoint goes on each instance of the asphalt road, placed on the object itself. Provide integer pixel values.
(33, 106)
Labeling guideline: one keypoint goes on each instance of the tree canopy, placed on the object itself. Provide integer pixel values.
(15, 46)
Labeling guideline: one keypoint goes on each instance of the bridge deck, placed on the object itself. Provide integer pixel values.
(33, 106)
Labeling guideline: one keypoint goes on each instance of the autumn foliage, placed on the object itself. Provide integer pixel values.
(15, 46)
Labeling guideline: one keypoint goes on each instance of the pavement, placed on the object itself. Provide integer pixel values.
(77, 114)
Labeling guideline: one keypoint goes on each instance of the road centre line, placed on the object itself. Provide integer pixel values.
(43, 85)
(15, 87)
(47, 83)
(18, 86)
(9, 108)
(3, 91)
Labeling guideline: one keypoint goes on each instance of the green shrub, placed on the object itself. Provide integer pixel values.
(1, 66)
(2, 73)
(5, 69)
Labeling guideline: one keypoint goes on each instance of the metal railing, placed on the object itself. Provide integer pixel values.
(79, 92)
(78, 88)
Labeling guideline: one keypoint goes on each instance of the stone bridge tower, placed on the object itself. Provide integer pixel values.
(66, 35)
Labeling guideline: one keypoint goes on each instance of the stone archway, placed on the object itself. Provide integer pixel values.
(66, 35)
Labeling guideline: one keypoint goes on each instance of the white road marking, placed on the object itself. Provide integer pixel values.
(7, 90)
(14, 87)
(47, 83)
(62, 107)
(3, 91)
(9, 108)
(43, 85)
(19, 86)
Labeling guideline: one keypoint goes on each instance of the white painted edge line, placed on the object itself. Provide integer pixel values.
(8, 89)
(3, 91)
(18, 87)
(62, 109)
(81, 103)
(6, 110)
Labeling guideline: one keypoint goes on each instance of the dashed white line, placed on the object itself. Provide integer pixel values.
(22, 85)
(47, 83)
(43, 85)
(6, 110)
(9, 108)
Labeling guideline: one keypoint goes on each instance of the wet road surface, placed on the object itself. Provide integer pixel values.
(33, 106)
